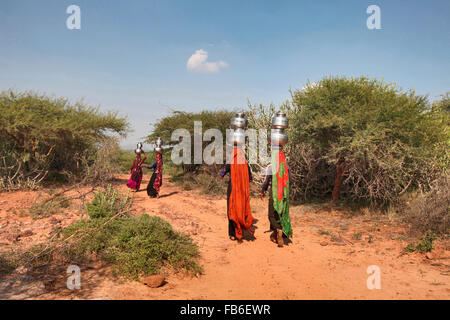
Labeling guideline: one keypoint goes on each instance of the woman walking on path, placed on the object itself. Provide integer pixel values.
(240, 217)
(278, 177)
(278, 185)
(156, 179)
(135, 180)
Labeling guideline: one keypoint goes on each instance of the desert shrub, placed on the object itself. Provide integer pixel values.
(144, 244)
(424, 245)
(100, 167)
(7, 264)
(15, 170)
(40, 134)
(48, 208)
(426, 242)
(430, 210)
(107, 203)
(135, 246)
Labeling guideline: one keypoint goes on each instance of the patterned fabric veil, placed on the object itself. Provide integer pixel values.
(280, 190)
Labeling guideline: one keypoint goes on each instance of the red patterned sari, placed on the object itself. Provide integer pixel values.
(136, 174)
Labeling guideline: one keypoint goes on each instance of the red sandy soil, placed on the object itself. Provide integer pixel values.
(312, 266)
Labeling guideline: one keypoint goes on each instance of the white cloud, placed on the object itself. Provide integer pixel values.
(198, 62)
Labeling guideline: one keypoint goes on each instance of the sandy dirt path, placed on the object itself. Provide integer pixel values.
(313, 266)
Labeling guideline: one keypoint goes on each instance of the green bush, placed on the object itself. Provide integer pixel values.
(426, 242)
(107, 203)
(40, 135)
(380, 140)
(361, 139)
(424, 245)
(135, 246)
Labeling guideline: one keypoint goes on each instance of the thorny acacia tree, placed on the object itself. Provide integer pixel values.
(381, 141)
(363, 138)
(41, 134)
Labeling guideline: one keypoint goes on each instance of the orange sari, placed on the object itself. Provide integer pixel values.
(239, 204)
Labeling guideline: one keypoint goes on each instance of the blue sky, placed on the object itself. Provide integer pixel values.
(132, 56)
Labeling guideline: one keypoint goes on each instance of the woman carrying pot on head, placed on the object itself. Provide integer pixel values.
(278, 182)
(240, 216)
(157, 166)
(135, 180)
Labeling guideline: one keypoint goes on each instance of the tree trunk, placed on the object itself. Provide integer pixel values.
(340, 170)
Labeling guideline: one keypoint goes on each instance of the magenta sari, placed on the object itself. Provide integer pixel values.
(136, 174)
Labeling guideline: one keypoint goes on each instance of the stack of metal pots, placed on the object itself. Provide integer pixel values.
(238, 124)
(158, 145)
(139, 149)
(280, 123)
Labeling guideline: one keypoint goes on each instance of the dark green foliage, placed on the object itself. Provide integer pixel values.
(410, 248)
(380, 141)
(135, 246)
(163, 128)
(424, 245)
(107, 203)
(426, 242)
(144, 244)
(384, 139)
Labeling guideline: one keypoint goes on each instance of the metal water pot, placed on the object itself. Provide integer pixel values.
(278, 137)
(239, 121)
(138, 151)
(158, 145)
(139, 145)
(237, 137)
(280, 121)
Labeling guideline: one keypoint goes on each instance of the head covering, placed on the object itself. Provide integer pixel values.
(280, 190)
(239, 204)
